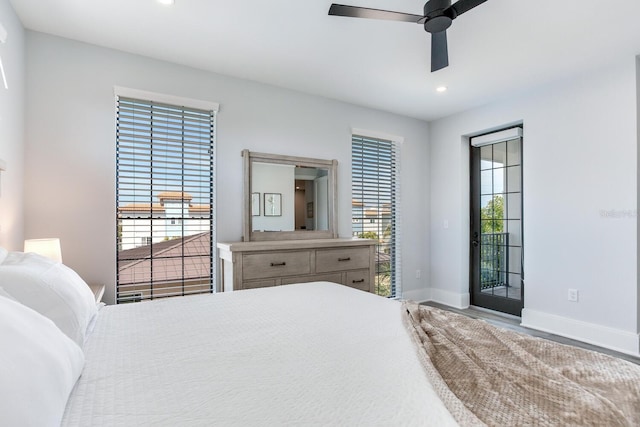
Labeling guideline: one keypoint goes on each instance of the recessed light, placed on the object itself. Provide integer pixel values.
(441, 89)
(166, 2)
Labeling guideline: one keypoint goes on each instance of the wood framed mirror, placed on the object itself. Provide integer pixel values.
(296, 197)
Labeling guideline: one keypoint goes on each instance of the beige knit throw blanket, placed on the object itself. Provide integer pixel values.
(493, 376)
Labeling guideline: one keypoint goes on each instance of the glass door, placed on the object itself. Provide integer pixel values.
(496, 224)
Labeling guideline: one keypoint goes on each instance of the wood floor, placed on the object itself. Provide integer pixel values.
(513, 323)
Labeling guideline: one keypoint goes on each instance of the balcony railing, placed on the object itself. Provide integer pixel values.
(494, 260)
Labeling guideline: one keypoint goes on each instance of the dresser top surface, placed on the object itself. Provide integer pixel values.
(294, 244)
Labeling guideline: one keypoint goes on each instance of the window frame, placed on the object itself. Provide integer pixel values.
(394, 149)
(187, 106)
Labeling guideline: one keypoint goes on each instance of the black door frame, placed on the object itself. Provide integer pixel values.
(492, 302)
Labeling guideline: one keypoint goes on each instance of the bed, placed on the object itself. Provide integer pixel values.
(302, 354)
(316, 353)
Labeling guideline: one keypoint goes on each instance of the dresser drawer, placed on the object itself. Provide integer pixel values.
(249, 265)
(275, 264)
(326, 277)
(359, 279)
(341, 259)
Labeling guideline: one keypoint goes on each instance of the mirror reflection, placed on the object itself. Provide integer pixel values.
(287, 197)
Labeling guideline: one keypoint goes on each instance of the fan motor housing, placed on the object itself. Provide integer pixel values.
(437, 20)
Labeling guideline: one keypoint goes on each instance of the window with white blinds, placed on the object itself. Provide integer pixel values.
(375, 206)
(165, 200)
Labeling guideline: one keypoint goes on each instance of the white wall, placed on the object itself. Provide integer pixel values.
(12, 130)
(71, 137)
(580, 199)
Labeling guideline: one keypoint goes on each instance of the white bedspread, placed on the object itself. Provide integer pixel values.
(305, 354)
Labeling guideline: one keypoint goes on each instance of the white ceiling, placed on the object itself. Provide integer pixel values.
(498, 48)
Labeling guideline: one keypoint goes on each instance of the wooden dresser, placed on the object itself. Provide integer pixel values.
(247, 265)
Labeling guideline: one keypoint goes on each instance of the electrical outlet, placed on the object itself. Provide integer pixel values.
(418, 274)
(572, 295)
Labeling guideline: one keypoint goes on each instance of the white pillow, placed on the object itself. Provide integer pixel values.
(39, 366)
(4, 293)
(3, 254)
(52, 289)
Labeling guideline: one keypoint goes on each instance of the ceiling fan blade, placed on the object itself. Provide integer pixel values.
(439, 51)
(363, 12)
(462, 6)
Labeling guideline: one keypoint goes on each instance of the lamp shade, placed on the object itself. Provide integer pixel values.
(49, 248)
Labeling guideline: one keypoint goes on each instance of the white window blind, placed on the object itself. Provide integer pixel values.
(376, 206)
(165, 200)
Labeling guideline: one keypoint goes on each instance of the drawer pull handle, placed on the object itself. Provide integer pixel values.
(358, 281)
(278, 264)
(345, 259)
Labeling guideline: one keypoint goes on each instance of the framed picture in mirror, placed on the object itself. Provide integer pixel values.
(272, 204)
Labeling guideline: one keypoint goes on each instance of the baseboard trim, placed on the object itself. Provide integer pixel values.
(452, 299)
(418, 295)
(602, 336)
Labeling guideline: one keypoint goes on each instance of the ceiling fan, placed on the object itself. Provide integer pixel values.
(438, 15)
